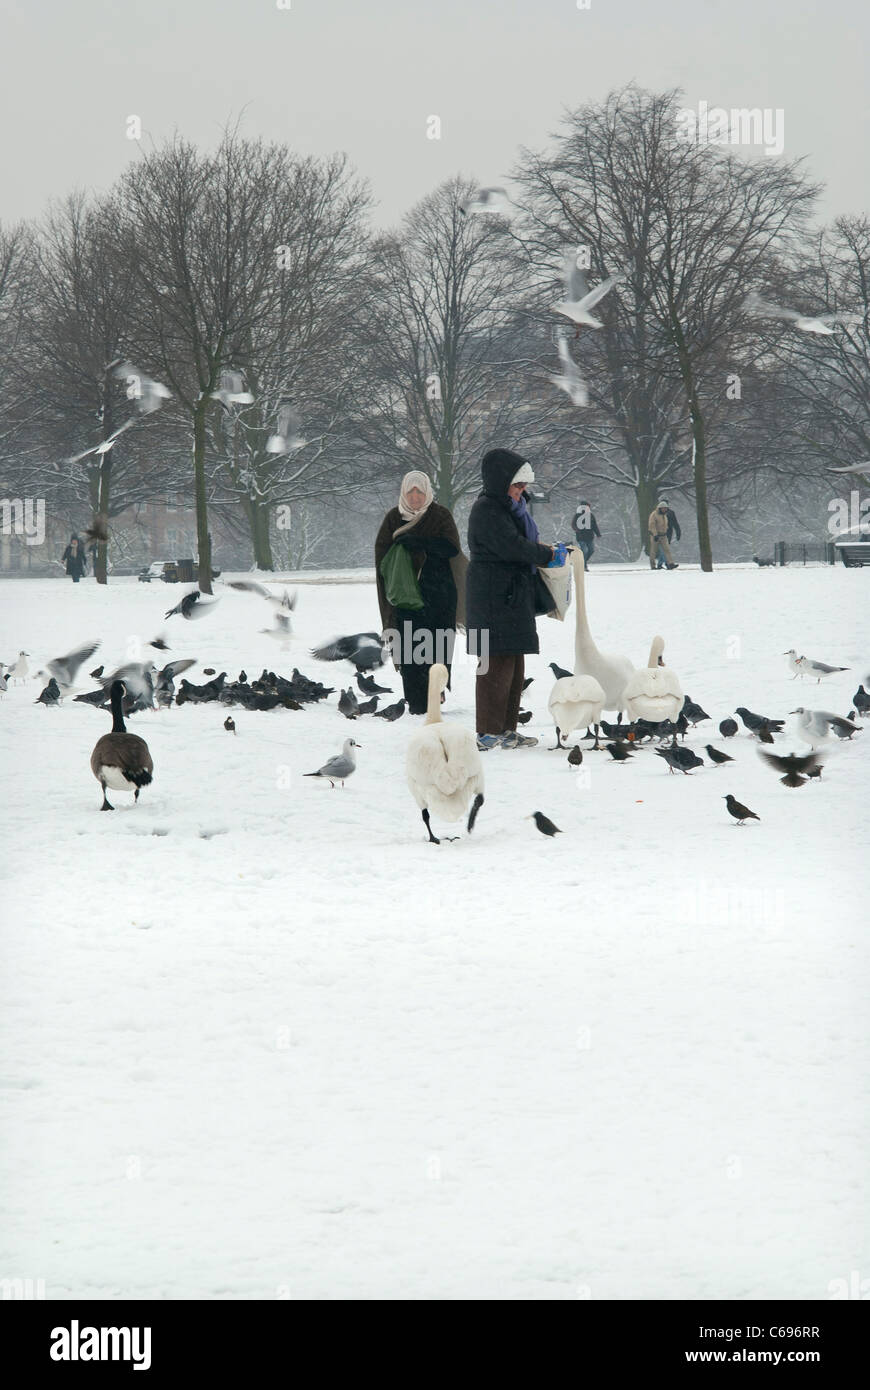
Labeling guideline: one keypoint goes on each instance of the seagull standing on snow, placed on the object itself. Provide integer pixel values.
(817, 725)
(18, 672)
(819, 669)
(579, 299)
(339, 768)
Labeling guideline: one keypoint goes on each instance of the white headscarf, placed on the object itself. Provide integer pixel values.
(415, 479)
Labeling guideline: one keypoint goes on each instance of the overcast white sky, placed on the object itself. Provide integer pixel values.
(363, 75)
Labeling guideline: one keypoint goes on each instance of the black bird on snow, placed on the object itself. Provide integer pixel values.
(243, 677)
(369, 706)
(159, 644)
(740, 813)
(95, 675)
(793, 766)
(716, 757)
(753, 722)
(369, 686)
(391, 712)
(619, 751)
(693, 712)
(187, 607)
(91, 697)
(524, 716)
(728, 728)
(679, 759)
(348, 704)
(50, 695)
(364, 649)
(230, 724)
(616, 731)
(861, 701)
(208, 670)
(545, 826)
(575, 757)
(121, 760)
(764, 734)
(558, 671)
(763, 564)
(164, 690)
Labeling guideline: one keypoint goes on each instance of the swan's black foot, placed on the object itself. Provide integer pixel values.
(432, 838)
(475, 807)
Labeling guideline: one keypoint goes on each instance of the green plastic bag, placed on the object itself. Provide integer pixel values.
(400, 581)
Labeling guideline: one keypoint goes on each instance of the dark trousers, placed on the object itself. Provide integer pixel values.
(498, 693)
(587, 545)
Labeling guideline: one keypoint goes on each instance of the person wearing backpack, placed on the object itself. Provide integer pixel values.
(436, 575)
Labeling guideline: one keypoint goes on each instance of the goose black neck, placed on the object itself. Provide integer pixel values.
(117, 698)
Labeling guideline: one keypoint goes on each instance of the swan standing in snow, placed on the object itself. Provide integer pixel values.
(611, 672)
(443, 764)
(653, 692)
(575, 701)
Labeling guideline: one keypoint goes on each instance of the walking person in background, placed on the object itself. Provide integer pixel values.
(427, 530)
(504, 594)
(586, 529)
(74, 559)
(660, 530)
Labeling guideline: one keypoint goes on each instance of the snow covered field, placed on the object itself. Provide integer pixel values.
(259, 1039)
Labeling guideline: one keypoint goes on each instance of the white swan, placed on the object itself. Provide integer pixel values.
(611, 672)
(575, 701)
(653, 692)
(443, 764)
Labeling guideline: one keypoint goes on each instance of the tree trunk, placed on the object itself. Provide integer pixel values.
(203, 539)
(259, 516)
(699, 442)
(101, 563)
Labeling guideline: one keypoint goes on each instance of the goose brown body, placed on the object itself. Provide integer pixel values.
(121, 760)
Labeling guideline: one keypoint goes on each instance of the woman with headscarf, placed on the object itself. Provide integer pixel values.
(75, 559)
(505, 593)
(429, 533)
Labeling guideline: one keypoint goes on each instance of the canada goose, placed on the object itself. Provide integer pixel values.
(121, 760)
(653, 692)
(443, 765)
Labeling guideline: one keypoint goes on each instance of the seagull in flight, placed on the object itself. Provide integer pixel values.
(147, 394)
(579, 299)
(491, 200)
(232, 390)
(569, 379)
(288, 435)
(805, 323)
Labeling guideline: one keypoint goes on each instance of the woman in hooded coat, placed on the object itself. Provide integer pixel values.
(503, 595)
(429, 532)
(75, 560)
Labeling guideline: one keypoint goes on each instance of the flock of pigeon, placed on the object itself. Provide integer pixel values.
(444, 762)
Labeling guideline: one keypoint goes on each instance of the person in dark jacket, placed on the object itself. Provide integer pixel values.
(429, 532)
(503, 595)
(74, 559)
(586, 529)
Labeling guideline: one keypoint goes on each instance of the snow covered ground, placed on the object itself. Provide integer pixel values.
(259, 1039)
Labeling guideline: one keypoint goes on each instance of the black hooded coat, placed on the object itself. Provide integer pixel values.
(503, 592)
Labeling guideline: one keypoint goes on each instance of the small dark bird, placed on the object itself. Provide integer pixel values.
(559, 671)
(50, 695)
(764, 734)
(208, 670)
(524, 716)
(368, 707)
(728, 728)
(753, 722)
(527, 682)
(391, 712)
(364, 649)
(815, 773)
(693, 713)
(159, 644)
(716, 757)
(616, 731)
(369, 686)
(845, 728)
(230, 724)
(187, 606)
(97, 673)
(545, 826)
(348, 704)
(740, 813)
(575, 757)
(679, 759)
(98, 529)
(619, 752)
(243, 678)
(763, 564)
(793, 765)
(93, 697)
(861, 701)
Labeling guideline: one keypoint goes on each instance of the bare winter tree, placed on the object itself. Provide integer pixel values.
(691, 227)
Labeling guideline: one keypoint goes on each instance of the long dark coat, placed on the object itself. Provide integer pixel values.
(503, 594)
(76, 564)
(433, 542)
